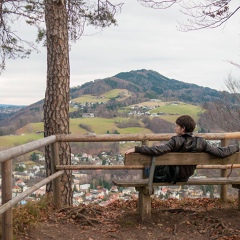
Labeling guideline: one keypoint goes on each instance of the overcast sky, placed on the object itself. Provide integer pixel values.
(144, 39)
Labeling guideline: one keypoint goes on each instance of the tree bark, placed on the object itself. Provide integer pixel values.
(56, 104)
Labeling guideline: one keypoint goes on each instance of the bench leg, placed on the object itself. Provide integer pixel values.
(238, 199)
(238, 187)
(144, 204)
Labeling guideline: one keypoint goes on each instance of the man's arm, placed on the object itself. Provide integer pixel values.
(221, 152)
(156, 150)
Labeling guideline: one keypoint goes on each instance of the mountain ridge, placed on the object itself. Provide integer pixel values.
(143, 84)
(151, 84)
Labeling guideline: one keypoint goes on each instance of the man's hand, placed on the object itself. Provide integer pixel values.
(131, 150)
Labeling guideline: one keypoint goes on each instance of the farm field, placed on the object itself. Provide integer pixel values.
(168, 111)
(119, 94)
(16, 140)
(102, 126)
(179, 109)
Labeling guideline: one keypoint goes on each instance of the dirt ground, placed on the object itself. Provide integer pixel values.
(197, 219)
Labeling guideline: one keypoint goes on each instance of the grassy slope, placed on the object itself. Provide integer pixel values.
(101, 98)
(102, 125)
(176, 110)
(15, 140)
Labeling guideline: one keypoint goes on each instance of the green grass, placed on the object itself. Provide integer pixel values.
(102, 126)
(134, 130)
(30, 128)
(180, 109)
(115, 92)
(98, 126)
(15, 140)
(101, 98)
(89, 99)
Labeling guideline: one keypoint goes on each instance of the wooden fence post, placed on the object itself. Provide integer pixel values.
(7, 217)
(223, 193)
(146, 143)
(57, 200)
(144, 198)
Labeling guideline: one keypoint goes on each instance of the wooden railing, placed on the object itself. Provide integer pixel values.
(6, 157)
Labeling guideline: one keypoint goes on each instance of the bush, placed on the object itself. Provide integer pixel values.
(86, 127)
(30, 213)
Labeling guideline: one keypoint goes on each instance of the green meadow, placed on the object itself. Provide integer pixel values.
(172, 111)
(119, 94)
(103, 125)
(89, 99)
(103, 97)
(16, 140)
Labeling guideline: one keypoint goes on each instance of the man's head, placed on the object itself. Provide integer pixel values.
(186, 123)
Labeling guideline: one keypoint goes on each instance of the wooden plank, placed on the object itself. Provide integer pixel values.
(150, 180)
(144, 205)
(98, 167)
(218, 166)
(181, 159)
(25, 148)
(119, 167)
(191, 181)
(30, 190)
(57, 201)
(223, 191)
(7, 216)
(139, 137)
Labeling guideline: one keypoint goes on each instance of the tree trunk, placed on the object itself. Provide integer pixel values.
(56, 105)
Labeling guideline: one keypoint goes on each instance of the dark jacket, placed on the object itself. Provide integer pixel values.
(187, 143)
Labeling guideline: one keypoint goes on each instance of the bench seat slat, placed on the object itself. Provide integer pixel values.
(191, 181)
(181, 159)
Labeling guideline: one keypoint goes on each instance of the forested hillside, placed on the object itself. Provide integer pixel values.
(140, 86)
(149, 84)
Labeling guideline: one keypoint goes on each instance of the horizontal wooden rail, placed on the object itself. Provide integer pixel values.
(139, 137)
(25, 148)
(28, 147)
(96, 167)
(119, 167)
(26, 193)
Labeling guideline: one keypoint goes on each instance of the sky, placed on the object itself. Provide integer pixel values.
(144, 38)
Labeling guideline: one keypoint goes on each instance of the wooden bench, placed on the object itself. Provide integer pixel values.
(145, 186)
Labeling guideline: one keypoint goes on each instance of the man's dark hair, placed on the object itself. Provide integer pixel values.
(186, 122)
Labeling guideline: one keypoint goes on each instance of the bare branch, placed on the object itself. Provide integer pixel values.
(158, 4)
(200, 13)
(225, 112)
(100, 13)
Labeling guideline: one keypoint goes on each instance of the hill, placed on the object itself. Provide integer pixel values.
(149, 84)
(107, 97)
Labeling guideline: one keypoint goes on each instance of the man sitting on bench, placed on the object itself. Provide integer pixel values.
(184, 141)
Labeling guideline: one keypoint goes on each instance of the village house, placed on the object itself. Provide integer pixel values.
(21, 175)
(88, 115)
(40, 192)
(128, 190)
(20, 183)
(16, 190)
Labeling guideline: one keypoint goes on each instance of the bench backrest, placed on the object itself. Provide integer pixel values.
(181, 159)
